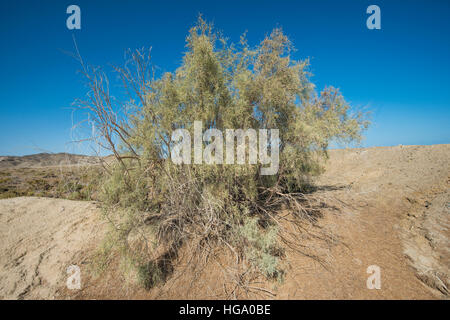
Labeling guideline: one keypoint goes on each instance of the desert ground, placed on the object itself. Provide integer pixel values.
(383, 206)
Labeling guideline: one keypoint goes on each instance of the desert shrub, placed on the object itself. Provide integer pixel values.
(71, 182)
(5, 193)
(261, 247)
(156, 207)
(5, 180)
(78, 183)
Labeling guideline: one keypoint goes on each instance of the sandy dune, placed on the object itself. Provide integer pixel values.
(386, 206)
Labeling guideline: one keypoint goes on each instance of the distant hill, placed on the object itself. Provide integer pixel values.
(46, 160)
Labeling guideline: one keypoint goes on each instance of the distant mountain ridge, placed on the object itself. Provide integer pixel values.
(46, 160)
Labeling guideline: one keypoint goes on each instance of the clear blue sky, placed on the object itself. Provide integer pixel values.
(402, 72)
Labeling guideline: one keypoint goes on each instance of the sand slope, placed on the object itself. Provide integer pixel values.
(39, 239)
(394, 213)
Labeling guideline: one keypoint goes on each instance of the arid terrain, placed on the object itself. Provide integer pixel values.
(59, 175)
(383, 206)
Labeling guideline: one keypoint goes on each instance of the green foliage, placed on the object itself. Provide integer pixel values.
(80, 184)
(224, 86)
(261, 247)
(150, 275)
